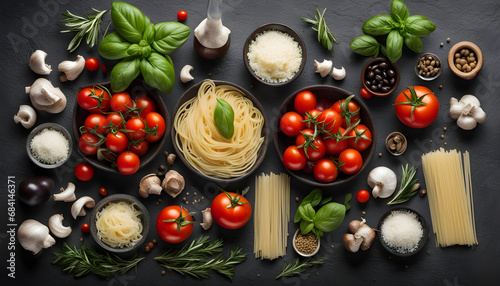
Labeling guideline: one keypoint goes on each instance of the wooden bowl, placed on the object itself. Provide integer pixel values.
(281, 28)
(378, 61)
(479, 58)
(192, 92)
(333, 94)
(136, 89)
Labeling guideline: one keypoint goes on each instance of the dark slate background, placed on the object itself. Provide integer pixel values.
(29, 25)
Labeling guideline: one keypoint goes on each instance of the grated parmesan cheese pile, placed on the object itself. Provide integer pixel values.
(49, 146)
(402, 231)
(274, 56)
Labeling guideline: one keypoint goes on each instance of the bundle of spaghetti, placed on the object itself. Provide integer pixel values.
(449, 189)
(201, 143)
(271, 215)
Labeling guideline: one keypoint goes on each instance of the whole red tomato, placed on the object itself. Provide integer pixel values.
(93, 99)
(362, 137)
(363, 196)
(330, 120)
(146, 105)
(304, 101)
(115, 118)
(88, 143)
(294, 158)
(311, 114)
(334, 146)
(128, 163)
(351, 161)
(174, 224)
(231, 210)
(116, 142)
(121, 102)
(96, 122)
(291, 123)
(155, 121)
(344, 109)
(136, 128)
(365, 93)
(140, 148)
(325, 171)
(84, 172)
(92, 64)
(417, 106)
(316, 149)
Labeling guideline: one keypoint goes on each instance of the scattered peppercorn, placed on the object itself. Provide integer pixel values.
(81, 239)
(441, 45)
(380, 155)
(150, 245)
(146, 249)
(154, 241)
(296, 199)
(163, 272)
(258, 275)
(160, 200)
(447, 40)
(423, 192)
(440, 86)
(445, 143)
(442, 136)
(363, 212)
(430, 141)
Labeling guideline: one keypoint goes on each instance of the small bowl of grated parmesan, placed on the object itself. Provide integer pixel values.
(49, 145)
(403, 231)
(274, 54)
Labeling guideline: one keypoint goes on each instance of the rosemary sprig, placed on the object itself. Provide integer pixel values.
(80, 262)
(406, 190)
(291, 269)
(88, 27)
(196, 259)
(325, 37)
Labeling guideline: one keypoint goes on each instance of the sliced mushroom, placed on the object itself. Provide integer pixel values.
(150, 184)
(185, 73)
(173, 183)
(78, 207)
(37, 63)
(57, 228)
(360, 236)
(26, 116)
(324, 67)
(383, 181)
(207, 218)
(352, 242)
(66, 195)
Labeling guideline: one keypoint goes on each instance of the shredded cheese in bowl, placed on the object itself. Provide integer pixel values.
(119, 224)
(49, 146)
(402, 231)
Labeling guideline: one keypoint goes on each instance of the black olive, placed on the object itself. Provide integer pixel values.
(378, 78)
(385, 74)
(35, 191)
(374, 67)
(391, 82)
(379, 86)
(385, 89)
(374, 88)
(383, 65)
(385, 82)
(370, 75)
(367, 83)
(391, 73)
(374, 82)
(377, 71)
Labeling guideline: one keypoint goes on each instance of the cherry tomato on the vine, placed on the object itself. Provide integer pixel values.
(92, 64)
(363, 196)
(155, 120)
(362, 137)
(351, 161)
(314, 153)
(294, 158)
(85, 228)
(291, 123)
(323, 104)
(84, 172)
(116, 142)
(93, 99)
(333, 146)
(97, 122)
(174, 224)
(140, 148)
(115, 118)
(353, 107)
(121, 102)
(325, 171)
(146, 104)
(182, 15)
(330, 120)
(304, 101)
(128, 163)
(87, 143)
(313, 113)
(135, 127)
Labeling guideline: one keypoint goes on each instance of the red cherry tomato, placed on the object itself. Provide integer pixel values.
(140, 148)
(121, 102)
(86, 143)
(146, 104)
(92, 64)
(334, 147)
(182, 15)
(93, 99)
(325, 171)
(304, 101)
(351, 161)
(103, 191)
(84, 172)
(363, 196)
(96, 122)
(314, 153)
(85, 228)
(362, 138)
(116, 142)
(330, 120)
(352, 107)
(365, 93)
(136, 127)
(294, 158)
(231, 210)
(313, 113)
(128, 163)
(168, 228)
(291, 123)
(154, 120)
(115, 118)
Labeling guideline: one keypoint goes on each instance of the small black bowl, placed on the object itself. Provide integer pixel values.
(192, 92)
(39, 129)
(281, 28)
(137, 88)
(114, 199)
(422, 241)
(333, 94)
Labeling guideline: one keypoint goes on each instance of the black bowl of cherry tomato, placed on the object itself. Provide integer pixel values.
(324, 135)
(120, 132)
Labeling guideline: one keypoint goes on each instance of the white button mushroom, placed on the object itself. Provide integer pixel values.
(338, 74)
(34, 236)
(173, 183)
(383, 181)
(57, 228)
(71, 69)
(149, 184)
(185, 75)
(78, 207)
(66, 195)
(324, 67)
(37, 63)
(44, 96)
(26, 116)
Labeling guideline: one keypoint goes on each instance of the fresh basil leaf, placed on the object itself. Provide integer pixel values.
(224, 118)
(329, 217)
(378, 25)
(419, 26)
(114, 47)
(394, 46)
(365, 45)
(169, 36)
(158, 72)
(347, 199)
(149, 34)
(306, 227)
(307, 212)
(413, 43)
(326, 200)
(317, 232)
(128, 21)
(383, 50)
(314, 198)
(297, 217)
(133, 50)
(124, 73)
(399, 11)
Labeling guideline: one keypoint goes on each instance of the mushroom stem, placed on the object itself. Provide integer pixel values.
(376, 189)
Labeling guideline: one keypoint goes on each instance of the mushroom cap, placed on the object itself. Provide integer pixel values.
(150, 184)
(352, 242)
(383, 181)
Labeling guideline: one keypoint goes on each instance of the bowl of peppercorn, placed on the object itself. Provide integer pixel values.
(465, 59)
(428, 67)
(306, 245)
(380, 77)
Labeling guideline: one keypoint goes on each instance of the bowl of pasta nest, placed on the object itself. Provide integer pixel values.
(220, 131)
(119, 224)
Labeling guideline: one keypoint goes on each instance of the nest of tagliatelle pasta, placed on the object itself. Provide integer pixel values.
(203, 146)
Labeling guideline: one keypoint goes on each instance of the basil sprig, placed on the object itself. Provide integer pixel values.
(142, 47)
(400, 29)
(224, 118)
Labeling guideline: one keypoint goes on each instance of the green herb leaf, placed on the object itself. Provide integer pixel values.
(399, 11)
(124, 73)
(325, 37)
(413, 43)
(306, 227)
(314, 198)
(169, 36)
(84, 27)
(347, 199)
(224, 118)
(378, 25)
(325, 201)
(329, 217)
(134, 50)
(149, 34)
(158, 72)
(394, 46)
(419, 25)
(365, 45)
(307, 212)
(408, 181)
(291, 269)
(128, 21)
(114, 47)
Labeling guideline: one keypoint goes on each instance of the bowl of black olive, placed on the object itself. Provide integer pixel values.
(380, 77)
